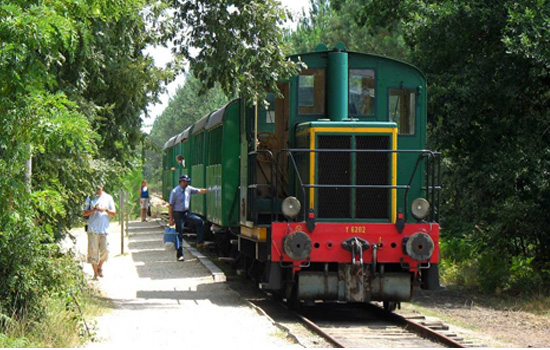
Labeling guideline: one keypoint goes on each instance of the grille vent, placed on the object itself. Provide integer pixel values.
(371, 169)
(334, 168)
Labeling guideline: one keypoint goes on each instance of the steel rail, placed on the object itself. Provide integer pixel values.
(400, 320)
(424, 331)
(317, 330)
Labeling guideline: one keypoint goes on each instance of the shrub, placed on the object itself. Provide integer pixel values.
(464, 264)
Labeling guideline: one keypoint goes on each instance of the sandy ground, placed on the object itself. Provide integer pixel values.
(491, 326)
(160, 302)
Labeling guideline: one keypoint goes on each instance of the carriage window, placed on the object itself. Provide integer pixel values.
(402, 110)
(311, 92)
(362, 95)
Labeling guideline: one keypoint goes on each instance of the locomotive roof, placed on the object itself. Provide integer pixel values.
(340, 47)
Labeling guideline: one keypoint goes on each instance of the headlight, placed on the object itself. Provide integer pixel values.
(420, 208)
(291, 207)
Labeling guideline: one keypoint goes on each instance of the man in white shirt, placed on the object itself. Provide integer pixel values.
(98, 210)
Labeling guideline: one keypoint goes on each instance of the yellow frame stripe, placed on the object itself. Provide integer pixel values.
(392, 131)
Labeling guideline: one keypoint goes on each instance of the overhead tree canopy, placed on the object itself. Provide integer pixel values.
(335, 21)
(238, 44)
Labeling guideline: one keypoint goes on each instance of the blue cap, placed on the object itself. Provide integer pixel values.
(185, 178)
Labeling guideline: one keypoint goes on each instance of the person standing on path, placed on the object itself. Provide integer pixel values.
(178, 210)
(144, 200)
(98, 211)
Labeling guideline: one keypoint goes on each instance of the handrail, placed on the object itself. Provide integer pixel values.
(433, 173)
(272, 173)
(430, 189)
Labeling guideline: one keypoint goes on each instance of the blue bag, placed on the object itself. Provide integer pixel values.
(171, 240)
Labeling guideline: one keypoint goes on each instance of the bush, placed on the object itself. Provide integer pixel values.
(466, 265)
(51, 316)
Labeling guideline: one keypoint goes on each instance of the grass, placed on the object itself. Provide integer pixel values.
(538, 305)
(63, 325)
(534, 303)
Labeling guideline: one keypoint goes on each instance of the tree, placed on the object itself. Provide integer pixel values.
(347, 21)
(487, 64)
(56, 58)
(110, 77)
(184, 109)
(245, 35)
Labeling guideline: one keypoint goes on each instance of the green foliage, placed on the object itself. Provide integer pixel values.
(109, 76)
(60, 323)
(488, 69)
(350, 22)
(245, 35)
(14, 342)
(313, 28)
(527, 33)
(468, 264)
(74, 83)
(185, 108)
(131, 182)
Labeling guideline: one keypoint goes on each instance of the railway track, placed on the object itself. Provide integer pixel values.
(356, 325)
(365, 326)
(368, 326)
(362, 326)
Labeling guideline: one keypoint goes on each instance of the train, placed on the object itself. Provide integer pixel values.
(329, 193)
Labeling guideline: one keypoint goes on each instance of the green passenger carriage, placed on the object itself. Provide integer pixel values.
(198, 167)
(222, 170)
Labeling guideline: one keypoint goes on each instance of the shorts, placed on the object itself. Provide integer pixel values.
(144, 203)
(98, 248)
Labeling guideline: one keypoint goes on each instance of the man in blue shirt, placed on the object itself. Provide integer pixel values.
(178, 210)
(98, 210)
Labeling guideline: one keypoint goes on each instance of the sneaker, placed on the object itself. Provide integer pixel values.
(181, 258)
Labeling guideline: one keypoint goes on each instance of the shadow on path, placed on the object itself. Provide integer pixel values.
(162, 278)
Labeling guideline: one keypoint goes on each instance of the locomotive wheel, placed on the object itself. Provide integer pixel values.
(390, 306)
(291, 295)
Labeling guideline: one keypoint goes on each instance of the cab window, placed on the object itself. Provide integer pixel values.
(270, 111)
(362, 95)
(402, 110)
(311, 92)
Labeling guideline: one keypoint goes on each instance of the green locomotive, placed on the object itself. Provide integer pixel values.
(329, 193)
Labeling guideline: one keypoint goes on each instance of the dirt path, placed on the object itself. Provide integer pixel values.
(160, 302)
